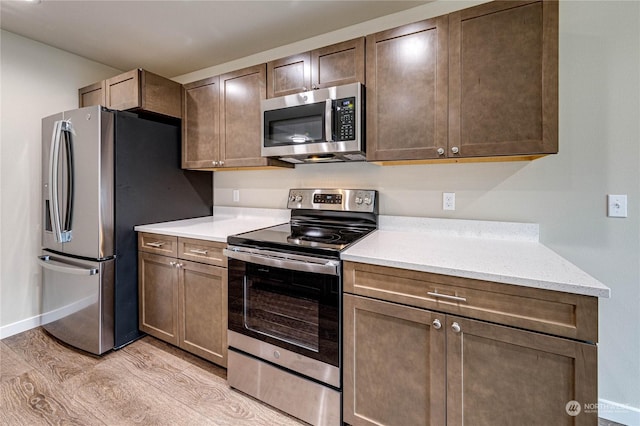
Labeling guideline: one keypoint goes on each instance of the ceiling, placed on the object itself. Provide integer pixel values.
(172, 38)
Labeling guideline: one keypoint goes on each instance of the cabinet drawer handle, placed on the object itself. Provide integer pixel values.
(198, 251)
(447, 296)
(156, 245)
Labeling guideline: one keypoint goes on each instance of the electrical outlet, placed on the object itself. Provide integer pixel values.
(616, 205)
(448, 201)
(236, 195)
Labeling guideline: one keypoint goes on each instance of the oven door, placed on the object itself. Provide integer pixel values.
(290, 302)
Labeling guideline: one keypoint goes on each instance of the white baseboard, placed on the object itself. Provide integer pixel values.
(20, 326)
(619, 413)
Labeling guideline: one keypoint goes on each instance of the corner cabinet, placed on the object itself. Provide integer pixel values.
(478, 83)
(427, 349)
(335, 65)
(182, 288)
(221, 126)
(138, 90)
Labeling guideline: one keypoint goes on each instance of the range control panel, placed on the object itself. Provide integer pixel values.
(359, 200)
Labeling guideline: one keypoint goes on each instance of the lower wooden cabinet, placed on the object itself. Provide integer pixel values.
(410, 365)
(184, 302)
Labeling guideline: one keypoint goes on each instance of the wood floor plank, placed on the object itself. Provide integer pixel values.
(54, 359)
(120, 398)
(11, 365)
(31, 399)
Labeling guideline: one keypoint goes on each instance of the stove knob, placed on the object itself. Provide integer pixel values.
(358, 200)
(292, 198)
(367, 201)
(298, 198)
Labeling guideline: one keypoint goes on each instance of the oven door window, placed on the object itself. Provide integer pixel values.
(298, 311)
(297, 125)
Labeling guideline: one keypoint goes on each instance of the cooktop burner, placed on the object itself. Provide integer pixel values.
(323, 222)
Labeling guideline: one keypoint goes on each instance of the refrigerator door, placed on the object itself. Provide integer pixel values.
(77, 301)
(77, 170)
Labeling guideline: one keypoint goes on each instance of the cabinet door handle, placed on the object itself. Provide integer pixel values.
(198, 251)
(455, 327)
(447, 296)
(440, 151)
(455, 150)
(437, 324)
(156, 244)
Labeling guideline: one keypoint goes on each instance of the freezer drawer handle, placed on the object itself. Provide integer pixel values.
(47, 262)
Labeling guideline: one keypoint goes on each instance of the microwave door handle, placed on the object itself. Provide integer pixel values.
(54, 193)
(328, 120)
(68, 140)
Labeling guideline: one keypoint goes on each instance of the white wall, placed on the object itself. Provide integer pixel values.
(36, 81)
(564, 193)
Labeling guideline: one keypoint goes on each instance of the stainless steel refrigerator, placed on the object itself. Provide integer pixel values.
(103, 173)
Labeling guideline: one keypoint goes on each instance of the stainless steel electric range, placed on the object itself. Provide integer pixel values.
(285, 302)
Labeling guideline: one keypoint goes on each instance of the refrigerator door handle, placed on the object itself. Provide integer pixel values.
(59, 126)
(56, 265)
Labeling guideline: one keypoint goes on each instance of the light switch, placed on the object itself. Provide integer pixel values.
(617, 205)
(236, 195)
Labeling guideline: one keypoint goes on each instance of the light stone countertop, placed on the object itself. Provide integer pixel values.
(224, 222)
(508, 253)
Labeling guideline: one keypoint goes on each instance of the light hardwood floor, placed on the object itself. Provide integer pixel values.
(44, 382)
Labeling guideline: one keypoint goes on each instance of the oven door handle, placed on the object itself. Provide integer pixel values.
(317, 266)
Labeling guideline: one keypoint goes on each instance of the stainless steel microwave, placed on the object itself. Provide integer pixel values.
(323, 125)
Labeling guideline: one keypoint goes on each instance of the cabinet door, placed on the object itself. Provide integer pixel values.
(394, 364)
(241, 131)
(407, 89)
(504, 79)
(158, 296)
(94, 94)
(200, 124)
(504, 376)
(203, 311)
(160, 95)
(123, 91)
(289, 75)
(339, 64)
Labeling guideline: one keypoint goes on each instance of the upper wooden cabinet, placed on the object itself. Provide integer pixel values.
(221, 126)
(334, 65)
(407, 91)
(201, 123)
(503, 71)
(480, 82)
(135, 90)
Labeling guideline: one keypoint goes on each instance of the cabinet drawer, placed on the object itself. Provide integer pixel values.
(202, 251)
(157, 243)
(546, 311)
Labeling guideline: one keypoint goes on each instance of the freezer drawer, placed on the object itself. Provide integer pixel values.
(77, 301)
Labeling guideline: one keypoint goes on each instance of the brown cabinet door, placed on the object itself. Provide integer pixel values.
(503, 97)
(240, 124)
(289, 75)
(338, 64)
(94, 94)
(203, 310)
(394, 364)
(504, 376)
(407, 89)
(200, 124)
(158, 296)
(123, 91)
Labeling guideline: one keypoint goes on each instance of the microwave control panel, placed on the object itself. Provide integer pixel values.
(344, 119)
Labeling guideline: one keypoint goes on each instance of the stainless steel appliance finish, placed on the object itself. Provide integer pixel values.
(285, 301)
(305, 399)
(324, 125)
(103, 173)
